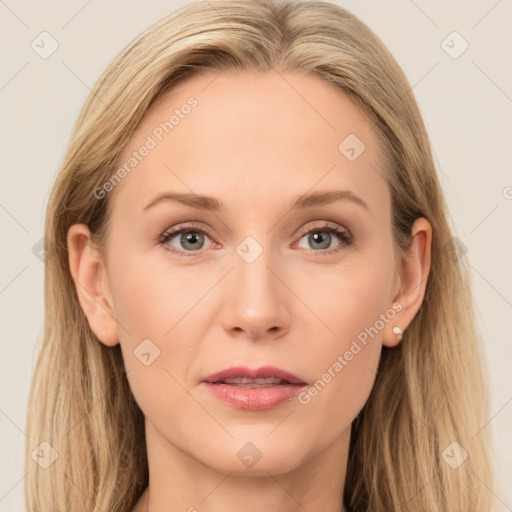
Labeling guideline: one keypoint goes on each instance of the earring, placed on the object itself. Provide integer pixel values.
(398, 332)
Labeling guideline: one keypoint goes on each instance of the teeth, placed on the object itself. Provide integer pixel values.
(261, 382)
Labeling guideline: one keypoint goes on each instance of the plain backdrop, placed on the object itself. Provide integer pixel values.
(464, 96)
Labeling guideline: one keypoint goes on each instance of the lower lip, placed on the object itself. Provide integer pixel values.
(254, 399)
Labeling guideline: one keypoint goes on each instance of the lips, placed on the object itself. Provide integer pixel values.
(254, 390)
(266, 376)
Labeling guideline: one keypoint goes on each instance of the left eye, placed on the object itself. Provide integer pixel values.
(322, 239)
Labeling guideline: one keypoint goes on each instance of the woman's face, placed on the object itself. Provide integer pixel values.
(258, 277)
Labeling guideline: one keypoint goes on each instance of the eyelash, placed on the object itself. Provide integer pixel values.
(344, 236)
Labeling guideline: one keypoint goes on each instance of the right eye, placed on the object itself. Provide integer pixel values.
(187, 239)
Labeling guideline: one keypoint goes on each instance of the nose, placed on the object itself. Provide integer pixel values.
(257, 300)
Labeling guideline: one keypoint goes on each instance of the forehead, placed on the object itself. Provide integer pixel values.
(251, 134)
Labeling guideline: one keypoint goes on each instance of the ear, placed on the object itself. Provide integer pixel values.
(92, 286)
(413, 272)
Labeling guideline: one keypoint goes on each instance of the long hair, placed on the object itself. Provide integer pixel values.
(430, 390)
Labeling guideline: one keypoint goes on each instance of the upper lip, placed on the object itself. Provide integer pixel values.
(258, 373)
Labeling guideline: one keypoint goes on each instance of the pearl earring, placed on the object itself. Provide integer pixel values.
(398, 332)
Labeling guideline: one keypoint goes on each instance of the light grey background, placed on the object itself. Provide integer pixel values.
(466, 104)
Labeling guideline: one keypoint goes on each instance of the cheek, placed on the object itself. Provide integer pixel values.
(348, 299)
(151, 299)
(354, 305)
(158, 310)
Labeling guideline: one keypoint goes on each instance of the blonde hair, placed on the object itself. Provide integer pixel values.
(429, 391)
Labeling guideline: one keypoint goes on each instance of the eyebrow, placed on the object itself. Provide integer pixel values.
(326, 197)
(308, 200)
(192, 200)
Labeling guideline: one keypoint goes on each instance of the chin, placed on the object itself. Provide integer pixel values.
(257, 458)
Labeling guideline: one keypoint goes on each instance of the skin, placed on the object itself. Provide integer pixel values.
(255, 141)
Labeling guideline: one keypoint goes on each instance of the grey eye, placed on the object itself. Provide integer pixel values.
(317, 239)
(192, 240)
(320, 240)
(188, 240)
